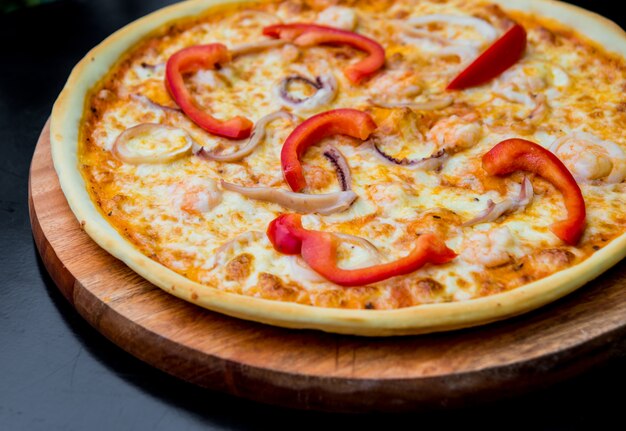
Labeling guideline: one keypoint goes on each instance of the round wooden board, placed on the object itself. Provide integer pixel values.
(316, 370)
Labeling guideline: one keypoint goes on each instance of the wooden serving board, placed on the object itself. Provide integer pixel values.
(310, 369)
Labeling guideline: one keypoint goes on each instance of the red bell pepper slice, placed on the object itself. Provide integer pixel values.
(312, 34)
(502, 54)
(521, 155)
(351, 122)
(191, 59)
(319, 251)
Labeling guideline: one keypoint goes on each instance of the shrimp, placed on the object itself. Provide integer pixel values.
(339, 17)
(395, 84)
(198, 197)
(454, 134)
(531, 86)
(591, 159)
(522, 80)
(488, 248)
(387, 196)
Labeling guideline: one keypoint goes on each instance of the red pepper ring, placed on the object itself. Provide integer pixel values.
(319, 251)
(304, 34)
(351, 122)
(502, 54)
(191, 59)
(521, 155)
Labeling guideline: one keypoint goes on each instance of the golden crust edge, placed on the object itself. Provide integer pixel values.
(65, 120)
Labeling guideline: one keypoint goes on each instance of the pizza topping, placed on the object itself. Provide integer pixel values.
(501, 55)
(198, 196)
(528, 86)
(189, 60)
(519, 83)
(250, 48)
(325, 86)
(319, 251)
(590, 158)
(351, 122)
(150, 103)
(339, 17)
(152, 143)
(254, 18)
(416, 31)
(453, 134)
(564, 87)
(341, 166)
(545, 262)
(391, 84)
(302, 34)
(508, 205)
(372, 252)
(520, 155)
(300, 271)
(223, 253)
(430, 163)
(324, 204)
(489, 248)
(427, 105)
(258, 134)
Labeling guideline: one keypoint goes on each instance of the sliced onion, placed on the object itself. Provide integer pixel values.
(324, 204)
(153, 67)
(439, 46)
(227, 247)
(326, 86)
(494, 211)
(155, 133)
(260, 129)
(341, 166)
(360, 242)
(149, 102)
(264, 18)
(430, 163)
(513, 96)
(444, 46)
(249, 48)
(303, 272)
(246, 237)
(481, 26)
(341, 17)
(284, 90)
(541, 108)
(430, 105)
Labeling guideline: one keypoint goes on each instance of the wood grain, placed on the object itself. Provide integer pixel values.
(315, 370)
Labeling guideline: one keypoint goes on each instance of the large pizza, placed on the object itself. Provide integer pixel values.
(372, 168)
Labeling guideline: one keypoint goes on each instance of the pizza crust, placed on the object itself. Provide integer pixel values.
(65, 122)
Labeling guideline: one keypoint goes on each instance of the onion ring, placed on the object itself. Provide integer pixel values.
(255, 139)
(149, 102)
(135, 156)
(495, 210)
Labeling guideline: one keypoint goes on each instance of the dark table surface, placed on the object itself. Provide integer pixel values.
(56, 372)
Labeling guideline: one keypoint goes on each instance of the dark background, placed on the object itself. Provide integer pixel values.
(56, 372)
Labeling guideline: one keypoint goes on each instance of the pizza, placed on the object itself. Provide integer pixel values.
(371, 168)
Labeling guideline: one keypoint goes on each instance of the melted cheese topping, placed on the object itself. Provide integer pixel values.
(176, 214)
